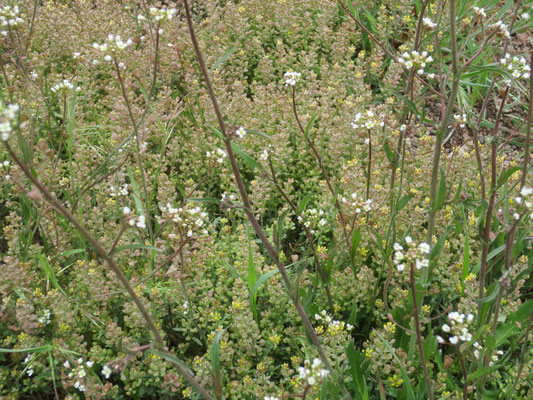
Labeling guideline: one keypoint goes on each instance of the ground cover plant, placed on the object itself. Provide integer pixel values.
(250, 199)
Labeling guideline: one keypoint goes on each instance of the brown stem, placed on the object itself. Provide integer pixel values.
(488, 218)
(248, 208)
(527, 154)
(484, 107)
(50, 198)
(320, 163)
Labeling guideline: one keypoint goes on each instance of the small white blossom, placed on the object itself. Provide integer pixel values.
(106, 371)
(502, 29)
(241, 132)
(8, 117)
(65, 85)
(428, 23)
(516, 66)
(161, 14)
(480, 12)
(291, 78)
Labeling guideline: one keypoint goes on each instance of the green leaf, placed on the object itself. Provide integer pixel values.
(215, 364)
(246, 158)
(506, 175)
(491, 255)
(466, 260)
(402, 201)
(50, 275)
(259, 282)
(28, 350)
(172, 359)
(222, 60)
(357, 368)
(389, 153)
(504, 332)
(251, 277)
(356, 239)
(70, 253)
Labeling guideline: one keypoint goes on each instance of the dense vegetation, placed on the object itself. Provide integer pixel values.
(266, 199)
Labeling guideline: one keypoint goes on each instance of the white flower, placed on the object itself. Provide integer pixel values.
(429, 23)
(66, 364)
(82, 373)
(8, 116)
(271, 398)
(480, 11)
(291, 78)
(424, 248)
(517, 66)
(502, 29)
(89, 363)
(161, 14)
(65, 85)
(454, 340)
(106, 371)
(440, 339)
(446, 328)
(241, 132)
(141, 222)
(29, 372)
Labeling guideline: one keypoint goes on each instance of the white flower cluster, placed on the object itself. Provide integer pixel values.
(291, 78)
(161, 14)
(219, 155)
(313, 218)
(241, 132)
(112, 46)
(527, 198)
(264, 155)
(415, 60)
(9, 18)
(79, 373)
(64, 86)
(123, 191)
(516, 66)
(359, 205)
(367, 120)
(461, 119)
(29, 358)
(428, 23)
(8, 116)
(187, 218)
(45, 317)
(332, 326)
(458, 328)
(501, 29)
(414, 254)
(139, 222)
(480, 12)
(313, 373)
